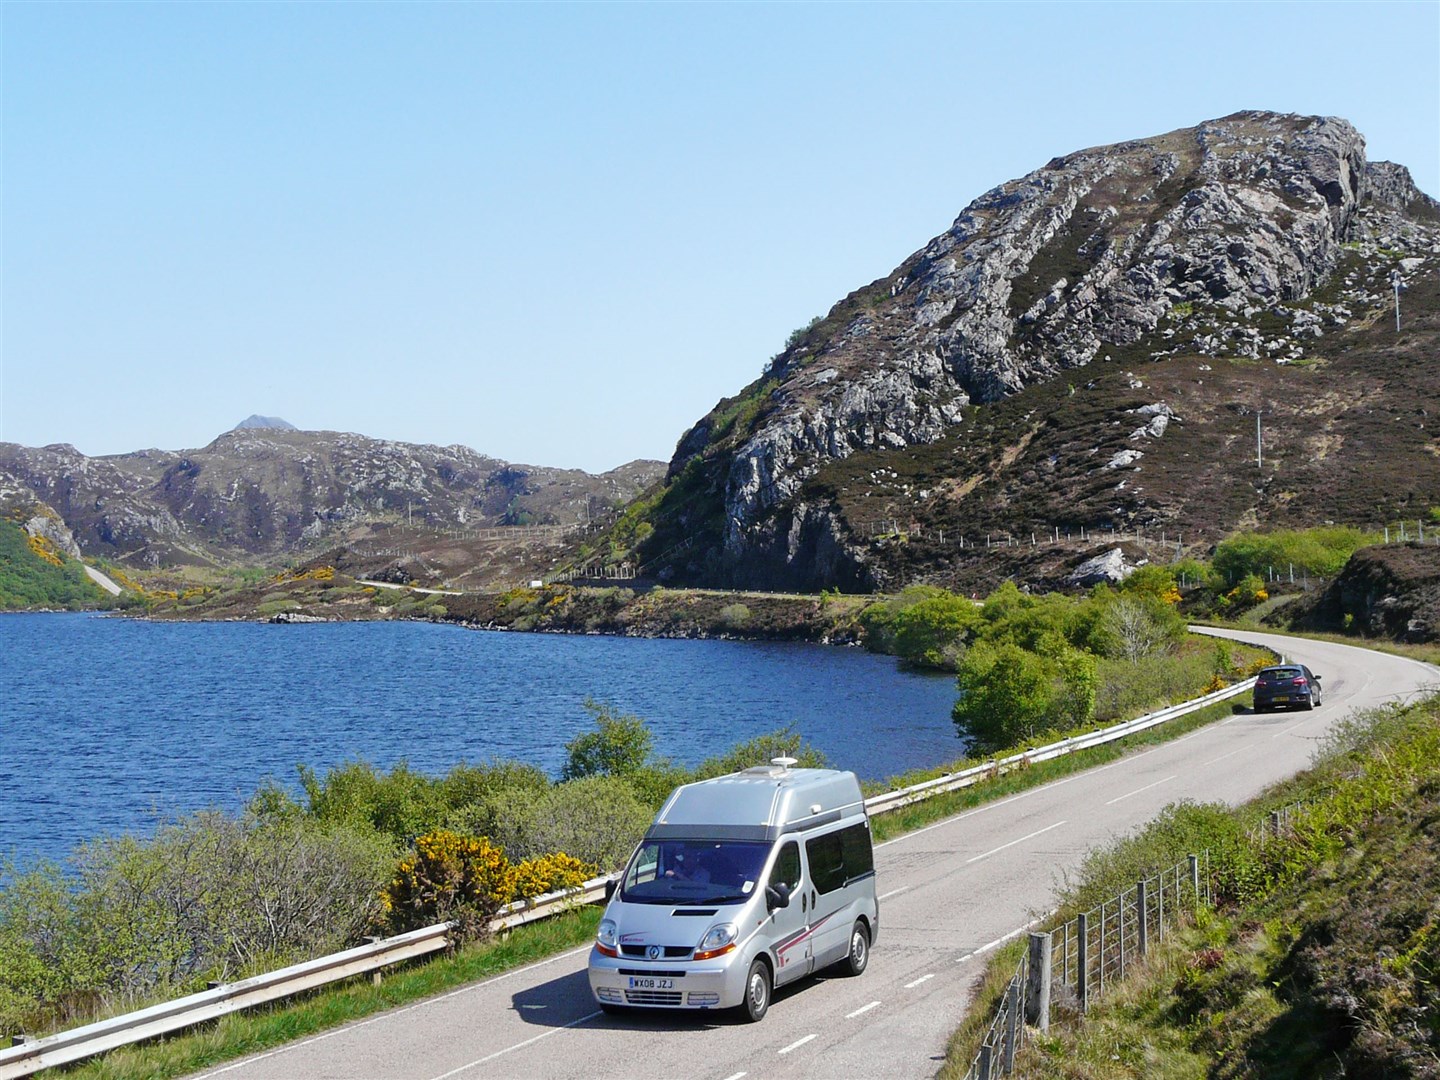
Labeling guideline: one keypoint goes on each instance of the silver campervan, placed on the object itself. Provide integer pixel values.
(743, 883)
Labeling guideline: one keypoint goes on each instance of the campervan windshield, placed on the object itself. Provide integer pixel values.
(694, 872)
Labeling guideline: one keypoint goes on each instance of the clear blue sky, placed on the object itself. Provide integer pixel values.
(558, 234)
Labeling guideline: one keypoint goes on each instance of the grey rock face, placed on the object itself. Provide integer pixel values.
(272, 490)
(1170, 237)
(1110, 567)
(53, 530)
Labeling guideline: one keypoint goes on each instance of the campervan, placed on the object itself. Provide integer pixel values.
(743, 883)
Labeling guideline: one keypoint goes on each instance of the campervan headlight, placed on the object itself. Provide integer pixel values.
(605, 936)
(718, 940)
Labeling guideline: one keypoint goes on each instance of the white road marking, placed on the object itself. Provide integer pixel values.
(799, 1043)
(1222, 757)
(1128, 759)
(1287, 731)
(1137, 791)
(518, 1046)
(1001, 940)
(862, 1009)
(391, 1013)
(1012, 843)
(917, 982)
(892, 892)
(736, 1076)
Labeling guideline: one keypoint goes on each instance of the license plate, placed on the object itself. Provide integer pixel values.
(637, 983)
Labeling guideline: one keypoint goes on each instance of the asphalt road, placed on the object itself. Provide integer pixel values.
(949, 894)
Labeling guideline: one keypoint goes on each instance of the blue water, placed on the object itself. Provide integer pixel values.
(107, 725)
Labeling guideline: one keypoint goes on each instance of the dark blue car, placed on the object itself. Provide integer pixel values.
(1289, 685)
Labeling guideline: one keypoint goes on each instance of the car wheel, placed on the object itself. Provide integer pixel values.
(757, 991)
(1310, 701)
(859, 955)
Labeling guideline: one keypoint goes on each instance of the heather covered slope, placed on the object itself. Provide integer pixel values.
(1088, 345)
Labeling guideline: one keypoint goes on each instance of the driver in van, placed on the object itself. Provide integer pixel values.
(683, 869)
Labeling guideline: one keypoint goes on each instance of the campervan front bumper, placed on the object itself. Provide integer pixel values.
(668, 984)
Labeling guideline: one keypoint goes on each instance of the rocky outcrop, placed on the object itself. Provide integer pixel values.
(263, 490)
(1388, 591)
(1139, 250)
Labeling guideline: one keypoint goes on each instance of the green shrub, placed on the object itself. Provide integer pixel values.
(761, 750)
(1320, 552)
(1008, 696)
(209, 897)
(935, 631)
(619, 746)
(597, 819)
(734, 616)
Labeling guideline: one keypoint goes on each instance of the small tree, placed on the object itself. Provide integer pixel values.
(619, 746)
(1005, 695)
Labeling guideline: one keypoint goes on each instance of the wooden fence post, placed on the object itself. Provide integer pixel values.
(1037, 996)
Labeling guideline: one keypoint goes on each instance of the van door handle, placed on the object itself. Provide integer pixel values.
(803, 899)
(813, 902)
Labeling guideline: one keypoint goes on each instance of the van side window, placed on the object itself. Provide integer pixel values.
(787, 866)
(838, 858)
(827, 864)
(859, 856)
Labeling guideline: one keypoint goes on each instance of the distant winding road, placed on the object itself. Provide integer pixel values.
(950, 893)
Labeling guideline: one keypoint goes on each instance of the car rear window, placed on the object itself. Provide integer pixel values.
(1279, 674)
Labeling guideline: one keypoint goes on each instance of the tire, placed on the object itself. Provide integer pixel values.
(858, 957)
(757, 992)
(1310, 701)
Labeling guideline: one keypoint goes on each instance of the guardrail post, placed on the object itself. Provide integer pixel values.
(1037, 990)
(1144, 914)
(1082, 958)
(19, 1040)
(1012, 1018)
(1195, 879)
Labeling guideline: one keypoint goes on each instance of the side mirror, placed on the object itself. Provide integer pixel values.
(1314, 676)
(610, 889)
(777, 896)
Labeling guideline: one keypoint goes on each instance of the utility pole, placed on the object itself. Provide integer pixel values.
(1395, 284)
(1259, 452)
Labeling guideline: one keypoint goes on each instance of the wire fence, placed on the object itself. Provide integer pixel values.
(1074, 963)
(1008, 1031)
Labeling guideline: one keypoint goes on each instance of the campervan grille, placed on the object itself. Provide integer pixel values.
(671, 952)
(653, 997)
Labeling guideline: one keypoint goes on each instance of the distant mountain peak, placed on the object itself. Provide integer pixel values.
(257, 421)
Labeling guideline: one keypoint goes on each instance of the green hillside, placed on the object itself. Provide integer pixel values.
(34, 575)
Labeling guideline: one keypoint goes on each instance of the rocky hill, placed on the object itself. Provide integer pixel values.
(267, 491)
(1087, 348)
(1388, 591)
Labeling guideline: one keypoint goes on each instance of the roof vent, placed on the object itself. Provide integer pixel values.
(783, 762)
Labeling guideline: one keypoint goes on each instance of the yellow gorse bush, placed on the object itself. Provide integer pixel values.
(468, 879)
(550, 873)
(43, 549)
